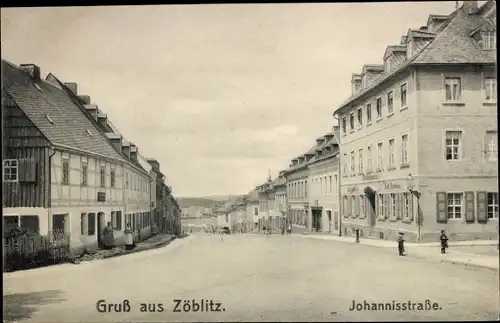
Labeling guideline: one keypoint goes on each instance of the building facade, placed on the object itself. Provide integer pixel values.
(297, 189)
(68, 173)
(418, 135)
(323, 187)
(252, 206)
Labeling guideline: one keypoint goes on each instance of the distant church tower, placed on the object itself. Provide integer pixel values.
(269, 176)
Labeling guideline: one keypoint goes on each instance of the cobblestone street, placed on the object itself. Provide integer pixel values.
(256, 278)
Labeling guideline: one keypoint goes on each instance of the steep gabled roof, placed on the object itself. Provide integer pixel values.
(451, 46)
(54, 113)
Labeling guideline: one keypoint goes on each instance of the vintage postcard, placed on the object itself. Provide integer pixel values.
(251, 162)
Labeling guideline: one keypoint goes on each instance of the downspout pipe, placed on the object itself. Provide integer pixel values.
(340, 180)
(49, 195)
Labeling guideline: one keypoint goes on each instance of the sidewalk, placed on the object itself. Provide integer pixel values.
(429, 251)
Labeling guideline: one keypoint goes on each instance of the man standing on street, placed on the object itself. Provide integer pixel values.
(401, 246)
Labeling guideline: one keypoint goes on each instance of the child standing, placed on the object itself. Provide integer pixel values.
(401, 246)
(444, 241)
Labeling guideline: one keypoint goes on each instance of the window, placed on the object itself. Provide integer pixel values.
(344, 125)
(360, 118)
(84, 171)
(453, 139)
(369, 159)
(360, 160)
(361, 205)
(489, 40)
(91, 224)
(380, 151)
(353, 163)
(345, 166)
(491, 146)
(490, 89)
(381, 213)
(393, 200)
(368, 113)
(392, 150)
(255, 210)
(330, 183)
(379, 108)
(351, 121)
(353, 205)
(65, 170)
(227, 217)
(103, 175)
(390, 102)
(454, 201)
(492, 205)
(345, 205)
(10, 170)
(126, 180)
(403, 92)
(404, 149)
(31, 223)
(406, 206)
(83, 223)
(453, 88)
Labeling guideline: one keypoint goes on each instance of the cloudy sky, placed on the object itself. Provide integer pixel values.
(219, 94)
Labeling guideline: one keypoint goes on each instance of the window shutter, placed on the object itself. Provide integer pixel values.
(385, 205)
(441, 208)
(410, 206)
(469, 207)
(377, 203)
(482, 216)
(398, 206)
(362, 199)
(27, 170)
(349, 206)
(357, 201)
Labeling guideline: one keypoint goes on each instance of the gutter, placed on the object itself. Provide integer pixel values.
(340, 215)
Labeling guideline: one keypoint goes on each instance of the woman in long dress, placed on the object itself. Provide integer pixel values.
(129, 237)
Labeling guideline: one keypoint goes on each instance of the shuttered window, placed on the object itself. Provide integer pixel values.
(380, 206)
(345, 207)
(454, 205)
(362, 207)
(27, 170)
(83, 223)
(492, 207)
(393, 206)
(354, 206)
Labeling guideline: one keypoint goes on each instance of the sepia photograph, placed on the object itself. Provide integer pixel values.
(250, 162)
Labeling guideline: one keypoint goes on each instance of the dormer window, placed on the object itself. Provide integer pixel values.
(489, 40)
(387, 66)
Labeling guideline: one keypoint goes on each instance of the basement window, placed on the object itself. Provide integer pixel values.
(49, 118)
(90, 133)
(38, 87)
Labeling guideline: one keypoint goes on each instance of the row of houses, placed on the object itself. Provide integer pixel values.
(66, 168)
(416, 146)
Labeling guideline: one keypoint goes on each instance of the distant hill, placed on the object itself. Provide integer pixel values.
(185, 202)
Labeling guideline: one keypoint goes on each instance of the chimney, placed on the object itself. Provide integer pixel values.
(102, 119)
(294, 162)
(116, 140)
(133, 152)
(470, 7)
(73, 87)
(403, 40)
(126, 148)
(85, 99)
(154, 163)
(32, 70)
(93, 110)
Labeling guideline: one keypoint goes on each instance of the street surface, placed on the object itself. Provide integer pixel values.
(255, 278)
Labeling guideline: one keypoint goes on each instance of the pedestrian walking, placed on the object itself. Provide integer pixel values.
(129, 237)
(444, 241)
(401, 244)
